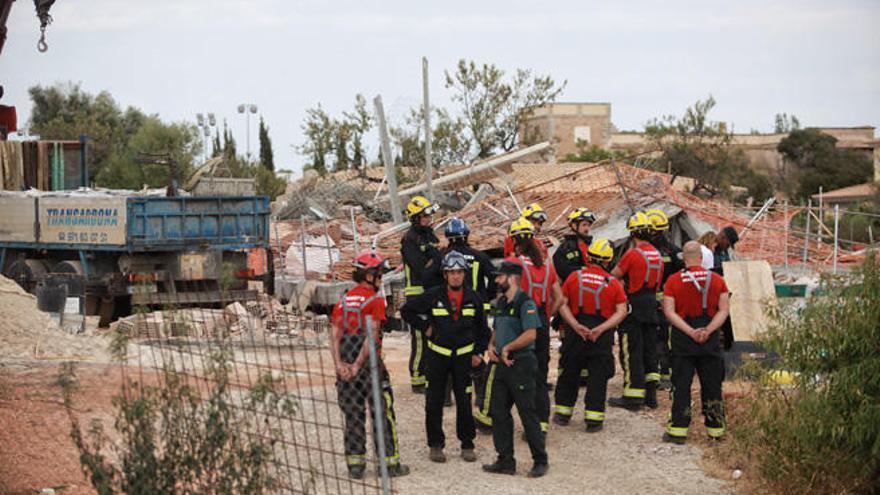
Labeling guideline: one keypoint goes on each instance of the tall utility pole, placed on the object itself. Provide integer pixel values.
(390, 174)
(429, 166)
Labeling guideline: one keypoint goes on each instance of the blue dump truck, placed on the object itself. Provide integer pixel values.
(116, 250)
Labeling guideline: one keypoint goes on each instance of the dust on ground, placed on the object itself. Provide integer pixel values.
(626, 457)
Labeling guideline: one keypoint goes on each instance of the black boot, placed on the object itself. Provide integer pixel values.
(676, 440)
(629, 404)
(594, 426)
(538, 470)
(651, 395)
(398, 470)
(501, 467)
(356, 472)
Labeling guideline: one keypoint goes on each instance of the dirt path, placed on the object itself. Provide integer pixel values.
(626, 457)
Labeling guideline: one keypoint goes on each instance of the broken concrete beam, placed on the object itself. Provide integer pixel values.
(478, 172)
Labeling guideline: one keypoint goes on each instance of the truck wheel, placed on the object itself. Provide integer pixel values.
(27, 273)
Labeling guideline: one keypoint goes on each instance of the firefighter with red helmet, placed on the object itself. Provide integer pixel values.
(362, 307)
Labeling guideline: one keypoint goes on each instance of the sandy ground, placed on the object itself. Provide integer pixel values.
(627, 457)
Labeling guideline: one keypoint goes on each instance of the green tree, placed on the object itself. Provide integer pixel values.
(784, 123)
(492, 106)
(179, 140)
(66, 111)
(695, 146)
(817, 161)
(358, 122)
(318, 129)
(267, 157)
(449, 143)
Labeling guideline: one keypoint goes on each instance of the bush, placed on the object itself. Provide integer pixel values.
(179, 438)
(820, 434)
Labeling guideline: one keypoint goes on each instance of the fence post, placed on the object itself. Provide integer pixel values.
(821, 220)
(836, 223)
(329, 250)
(302, 222)
(807, 231)
(378, 421)
(785, 219)
(354, 232)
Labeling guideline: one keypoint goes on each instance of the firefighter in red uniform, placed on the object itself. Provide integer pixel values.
(539, 281)
(349, 347)
(642, 269)
(537, 216)
(596, 305)
(696, 303)
(453, 319)
(571, 256)
(672, 263)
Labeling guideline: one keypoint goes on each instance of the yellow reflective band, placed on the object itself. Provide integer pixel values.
(355, 460)
(469, 312)
(715, 432)
(483, 413)
(626, 367)
(439, 350)
(415, 290)
(594, 415)
(545, 427)
(482, 418)
(465, 350)
(394, 458)
(659, 297)
(417, 378)
(564, 410)
(652, 377)
(675, 431)
(475, 272)
(636, 393)
(665, 376)
(439, 312)
(585, 373)
(487, 307)
(469, 389)
(448, 352)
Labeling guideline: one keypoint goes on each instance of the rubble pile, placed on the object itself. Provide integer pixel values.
(263, 317)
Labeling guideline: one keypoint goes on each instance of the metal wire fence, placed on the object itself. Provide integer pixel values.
(269, 370)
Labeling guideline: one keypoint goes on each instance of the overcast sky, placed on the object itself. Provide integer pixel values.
(817, 59)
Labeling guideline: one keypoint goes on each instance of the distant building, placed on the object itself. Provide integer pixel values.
(572, 127)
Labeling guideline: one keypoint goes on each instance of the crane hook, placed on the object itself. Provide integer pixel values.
(42, 46)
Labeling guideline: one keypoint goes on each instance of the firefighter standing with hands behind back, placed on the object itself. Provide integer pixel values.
(598, 304)
(421, 265)
(452, 317)
(696, 303)
(350, 351)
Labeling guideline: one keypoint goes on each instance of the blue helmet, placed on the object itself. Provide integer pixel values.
(454, 261)
(456, 227)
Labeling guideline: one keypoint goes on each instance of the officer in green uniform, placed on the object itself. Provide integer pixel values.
(512, 346)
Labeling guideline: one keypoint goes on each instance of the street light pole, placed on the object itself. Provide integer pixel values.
(247, 109)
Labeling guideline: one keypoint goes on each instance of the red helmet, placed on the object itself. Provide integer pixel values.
(369, 260)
